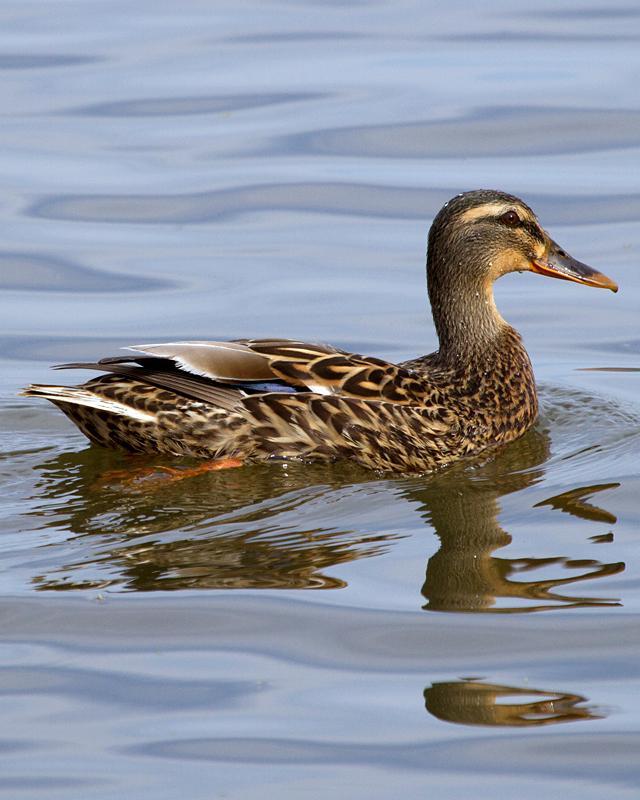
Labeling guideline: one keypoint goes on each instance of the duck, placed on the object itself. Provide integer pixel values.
(230, 403)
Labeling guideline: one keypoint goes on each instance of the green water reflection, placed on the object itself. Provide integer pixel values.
(472, 702)
(464, 575)
(242, 529)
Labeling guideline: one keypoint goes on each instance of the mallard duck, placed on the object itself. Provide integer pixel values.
(253, 400)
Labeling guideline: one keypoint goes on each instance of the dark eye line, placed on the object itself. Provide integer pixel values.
(533, 230)
(531, 227)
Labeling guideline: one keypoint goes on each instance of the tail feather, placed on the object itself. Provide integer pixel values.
(120, 412)
(80, 396)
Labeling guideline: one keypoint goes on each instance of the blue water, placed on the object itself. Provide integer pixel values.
(201, 170)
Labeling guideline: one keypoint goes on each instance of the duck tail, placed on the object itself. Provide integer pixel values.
(105, 420)
(64, 396)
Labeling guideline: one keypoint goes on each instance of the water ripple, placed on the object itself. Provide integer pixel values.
(36, 272)
(579, 757)
(490, 131)
(359, 199)
(44, 60)
(183, 106)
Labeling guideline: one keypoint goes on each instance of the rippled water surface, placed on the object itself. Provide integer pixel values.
(214, 170)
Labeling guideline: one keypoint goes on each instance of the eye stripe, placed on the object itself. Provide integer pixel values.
(533, 230)
(491, 212)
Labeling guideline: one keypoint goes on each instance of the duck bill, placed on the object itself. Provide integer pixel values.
(556, 263)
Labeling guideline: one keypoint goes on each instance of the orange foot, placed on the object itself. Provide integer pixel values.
(155, 476)
(206, 466)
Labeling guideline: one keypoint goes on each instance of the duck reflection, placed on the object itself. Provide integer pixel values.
(477, 703)
(234, 529)
(464, 575)
(242, 529)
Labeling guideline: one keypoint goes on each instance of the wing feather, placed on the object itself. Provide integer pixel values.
(221, 361)
(171, 379)
(318, 368)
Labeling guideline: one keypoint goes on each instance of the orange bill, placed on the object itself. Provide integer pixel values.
(557, 263)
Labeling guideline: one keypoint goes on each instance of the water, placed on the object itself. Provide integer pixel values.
(213, 171)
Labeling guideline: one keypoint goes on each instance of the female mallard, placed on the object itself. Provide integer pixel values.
(251, 400)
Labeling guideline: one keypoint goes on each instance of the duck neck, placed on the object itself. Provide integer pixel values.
(469, 325)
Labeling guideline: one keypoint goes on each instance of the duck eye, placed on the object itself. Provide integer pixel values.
(510, 218)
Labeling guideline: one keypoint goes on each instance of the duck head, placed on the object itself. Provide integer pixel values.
(476, 238)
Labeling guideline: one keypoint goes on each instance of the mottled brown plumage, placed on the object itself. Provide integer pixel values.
(259, 399)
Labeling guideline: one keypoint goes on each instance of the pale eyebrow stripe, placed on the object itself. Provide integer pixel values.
(485, 210)
(493, 210)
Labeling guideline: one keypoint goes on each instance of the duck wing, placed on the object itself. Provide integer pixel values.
(317, 368)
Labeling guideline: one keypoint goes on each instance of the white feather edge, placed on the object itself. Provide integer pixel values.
(149, 348)
(318, 388)
(80, 397)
